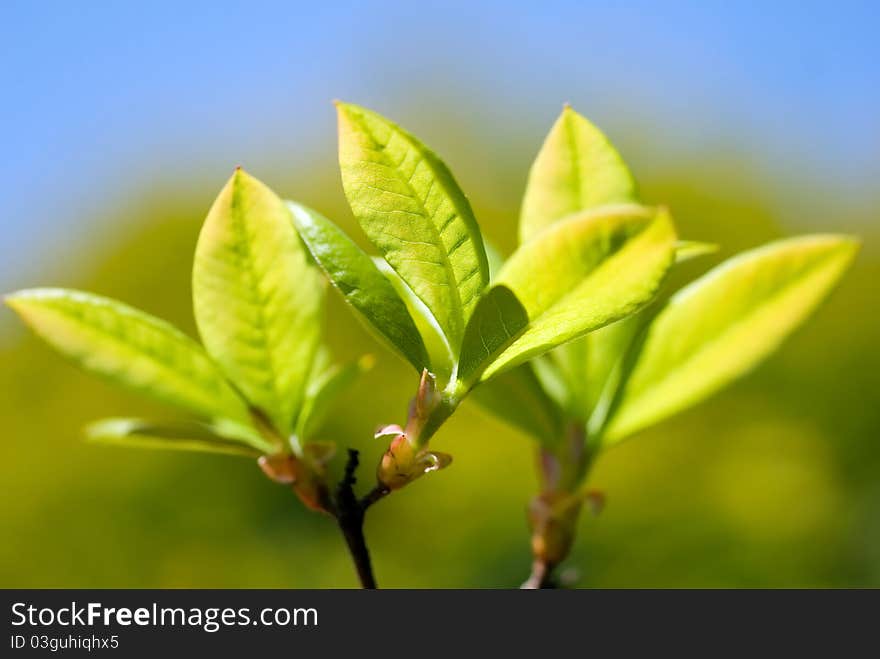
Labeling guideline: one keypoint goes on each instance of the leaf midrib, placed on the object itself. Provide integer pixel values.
(571, 139)
(453, 285)
(254, 285)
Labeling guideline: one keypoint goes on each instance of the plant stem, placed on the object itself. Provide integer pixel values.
(350, 514)
(353, 531)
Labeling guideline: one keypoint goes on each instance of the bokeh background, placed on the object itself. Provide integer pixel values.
(121, 121)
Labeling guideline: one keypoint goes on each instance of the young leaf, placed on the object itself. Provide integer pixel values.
(583, 273)
(576, 169)
(723, 324)
(323, 389)
(498, 313)
(182, 437)
(130, 348)
(257, 299)
(366, 289)
(587, 363)
(591, 363)
(497, 321)
(439, 351)
(516, 397)
(412, 209)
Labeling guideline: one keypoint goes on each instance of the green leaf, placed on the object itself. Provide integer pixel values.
(497, 321)
(576, 169)
(138, 433)
(723, 324)
(587, 363)
(257, 299)
(516, 397)
(439, 351)
(361, 283)
(323, 388)
(130, 348)
(583, 273)
(412, 209)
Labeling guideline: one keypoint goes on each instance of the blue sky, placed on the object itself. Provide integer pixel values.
(96, 94)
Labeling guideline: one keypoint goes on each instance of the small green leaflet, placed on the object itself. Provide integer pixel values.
(366, 289)
(497, 321)
(257, 298)
(130, 348)
(576, 169)
(439, 351)
(687, 250)
(413, 211)
(725, 323)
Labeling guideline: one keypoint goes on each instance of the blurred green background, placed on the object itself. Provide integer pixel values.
(122, 124)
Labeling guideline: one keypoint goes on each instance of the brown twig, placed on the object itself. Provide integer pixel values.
(350, 514)
(378, 493)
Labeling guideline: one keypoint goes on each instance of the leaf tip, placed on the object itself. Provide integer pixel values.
(344, 112)
(238, 177)
(99, 431)
(239, 173)
(352, 113)
(850, 246)
(853, 242)
(17, 300)
(686, 250)
(10, 299)
(91, 433)
(242, 181)
(847, 245)
(663, 216)
(343, 108)
(569, 113)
